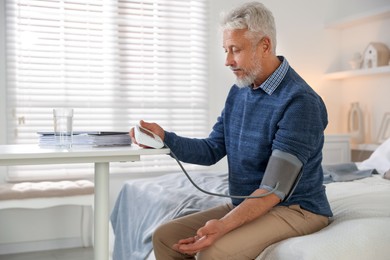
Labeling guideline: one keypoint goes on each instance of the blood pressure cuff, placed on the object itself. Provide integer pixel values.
(285, 169)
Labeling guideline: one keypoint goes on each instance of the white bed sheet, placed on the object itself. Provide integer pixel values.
(360, 228)
(365, 239)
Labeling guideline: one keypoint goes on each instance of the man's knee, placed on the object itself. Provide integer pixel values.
(161, 234)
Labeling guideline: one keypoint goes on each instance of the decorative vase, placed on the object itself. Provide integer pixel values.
(355, 123)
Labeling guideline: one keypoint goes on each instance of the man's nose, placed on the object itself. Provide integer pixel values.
(229, 61)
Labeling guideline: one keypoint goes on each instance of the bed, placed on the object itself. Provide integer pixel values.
(360, 200)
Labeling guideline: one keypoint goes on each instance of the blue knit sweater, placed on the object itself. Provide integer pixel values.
(290, 118)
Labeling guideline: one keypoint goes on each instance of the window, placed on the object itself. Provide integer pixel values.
(114, 62)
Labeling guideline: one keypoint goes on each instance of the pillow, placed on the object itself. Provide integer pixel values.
(379, 159)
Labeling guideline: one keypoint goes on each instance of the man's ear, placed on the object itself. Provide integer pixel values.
(265, 46)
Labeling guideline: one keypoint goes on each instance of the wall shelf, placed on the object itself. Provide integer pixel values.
(354, 20)
(361, 18)
(358, 72)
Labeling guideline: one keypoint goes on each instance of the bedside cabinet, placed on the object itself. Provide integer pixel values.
(361, 152)
(336, 149)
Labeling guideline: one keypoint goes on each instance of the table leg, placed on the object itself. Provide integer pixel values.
(101, 217)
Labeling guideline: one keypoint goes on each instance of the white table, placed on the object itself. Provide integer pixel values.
(101, 157)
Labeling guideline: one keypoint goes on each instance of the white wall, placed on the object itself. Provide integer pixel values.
(310, 49)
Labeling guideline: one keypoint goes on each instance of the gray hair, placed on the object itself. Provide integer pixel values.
(255, 17)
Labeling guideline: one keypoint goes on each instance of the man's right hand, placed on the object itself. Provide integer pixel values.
(153, 127)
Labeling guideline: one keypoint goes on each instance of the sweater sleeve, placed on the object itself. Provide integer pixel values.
(205, 151)
(301, 130)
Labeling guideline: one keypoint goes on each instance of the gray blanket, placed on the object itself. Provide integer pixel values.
(344, 172)
(144, 204)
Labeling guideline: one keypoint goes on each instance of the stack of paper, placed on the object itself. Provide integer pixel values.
(89, 138)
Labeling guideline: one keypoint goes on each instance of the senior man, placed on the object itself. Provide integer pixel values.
(271, 130)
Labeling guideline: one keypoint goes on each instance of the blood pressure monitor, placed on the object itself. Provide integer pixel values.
(147, 138)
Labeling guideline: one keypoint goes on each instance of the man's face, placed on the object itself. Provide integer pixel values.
(242, 57)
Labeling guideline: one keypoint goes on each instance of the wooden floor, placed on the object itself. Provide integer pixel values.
(61, 254)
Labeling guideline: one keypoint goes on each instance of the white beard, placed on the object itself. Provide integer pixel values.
(249, 79)
(245, 81)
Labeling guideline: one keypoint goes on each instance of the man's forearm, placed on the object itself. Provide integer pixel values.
(249, 210)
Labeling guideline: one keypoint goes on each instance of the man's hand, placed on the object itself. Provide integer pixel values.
(247, 211)
(155, 128)
(206, 236)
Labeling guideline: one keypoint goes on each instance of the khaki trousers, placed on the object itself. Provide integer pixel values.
(245, 242)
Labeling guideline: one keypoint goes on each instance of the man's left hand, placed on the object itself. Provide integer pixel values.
(205, 237)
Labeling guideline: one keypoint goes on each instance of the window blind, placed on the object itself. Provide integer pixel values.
(114, 63)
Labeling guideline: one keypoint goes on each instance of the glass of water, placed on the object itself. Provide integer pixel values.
(63, 127)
